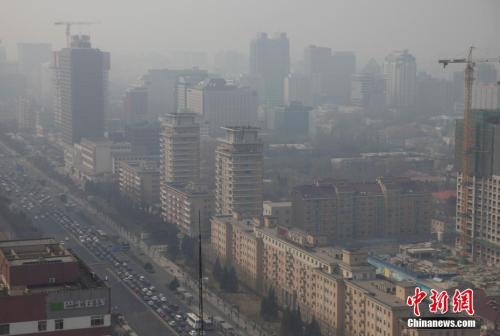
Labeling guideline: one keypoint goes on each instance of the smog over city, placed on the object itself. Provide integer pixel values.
(250, 168)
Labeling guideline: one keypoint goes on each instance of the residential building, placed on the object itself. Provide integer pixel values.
(270, 64)
(479, 236)
(239, 173)
(400, 70)
(180, 149)
(189, 207)
(27, 112)
(386, 208)
(282, 211)
(45, 289)
(81, 78)
(336, 286)
(220, 104)
(140, 181)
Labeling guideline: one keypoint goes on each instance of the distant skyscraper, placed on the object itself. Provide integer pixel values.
(239, 173)
(343, 67)
(270, 64)
(81, 75)
(31, 57)
(135, 105)
(368, 88)
(221, 104)
(400, 70)
(298, 88)
(162, 84)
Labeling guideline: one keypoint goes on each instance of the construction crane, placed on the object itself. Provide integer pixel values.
(468, 181)
(68, 25)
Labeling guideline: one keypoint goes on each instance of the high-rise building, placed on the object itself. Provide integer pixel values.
(270, 64)
(485, 96)
(135, 105)
(343, 67)
(81, 75)
(31, 57)
(139, 180)
(239, 173)
(180, 149)
(161, 87)
(48, 290)
(298, 88)
(479, 238)
(400, 70)
(220, 104)
(368, 88)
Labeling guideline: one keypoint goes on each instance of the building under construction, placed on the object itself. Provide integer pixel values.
(479, 230)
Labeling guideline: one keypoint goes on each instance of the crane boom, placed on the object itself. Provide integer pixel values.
(68, 25)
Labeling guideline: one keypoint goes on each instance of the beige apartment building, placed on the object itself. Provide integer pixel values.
(140, 181)
(336, 286)
(340, 210)
(186, 205)
(239, 173)
(180, 149)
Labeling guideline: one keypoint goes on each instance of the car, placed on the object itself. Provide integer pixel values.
(163, 299)
(172, 323)
(151, 303)
(154, 298)
(178, 317)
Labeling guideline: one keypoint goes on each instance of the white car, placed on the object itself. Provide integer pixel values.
(151, 303)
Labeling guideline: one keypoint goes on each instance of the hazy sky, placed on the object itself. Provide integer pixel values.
(428, 28)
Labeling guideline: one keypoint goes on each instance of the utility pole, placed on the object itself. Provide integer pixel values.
(200, 276)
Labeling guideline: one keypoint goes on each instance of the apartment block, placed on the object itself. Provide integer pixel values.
(140, 181)
(340, 210)
(188, 206)
(239, 173)
(336, 286)
(180, 149)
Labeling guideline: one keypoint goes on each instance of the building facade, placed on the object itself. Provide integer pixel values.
(180, 149)
(140, 181)
(239, 173)
(188, 206)
(387, 208)
(400, 70)
(479, 236)
(220, 104)
(270, 64)
(49, 291)
(81, 79)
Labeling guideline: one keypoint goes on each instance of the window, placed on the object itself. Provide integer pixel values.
(59, 324)
(42, 325)
(52, 280)
(96, 321)
(4, 329)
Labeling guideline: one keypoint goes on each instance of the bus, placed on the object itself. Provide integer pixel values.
(193, 321)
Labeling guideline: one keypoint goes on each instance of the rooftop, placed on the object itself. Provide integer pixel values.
(18, 252)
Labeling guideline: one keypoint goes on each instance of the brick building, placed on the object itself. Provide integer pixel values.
(45, 289)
